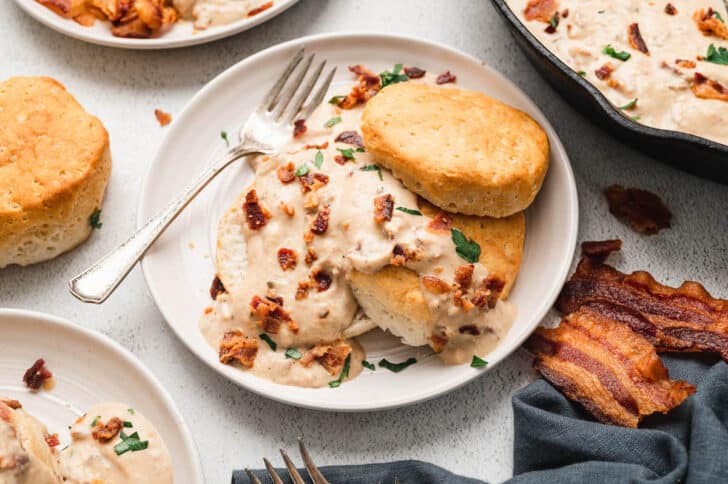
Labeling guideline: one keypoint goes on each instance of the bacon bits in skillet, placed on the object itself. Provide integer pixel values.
(706, 88)
(709, 24)
(235, 346)
(642, 210)
(636, 40)
(613, 372)
(542, 10)
(683, 319)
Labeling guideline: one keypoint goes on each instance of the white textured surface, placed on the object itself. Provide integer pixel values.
(469, 431)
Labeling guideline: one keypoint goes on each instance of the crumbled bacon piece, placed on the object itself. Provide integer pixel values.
(441, 223)
(106, 432)
(613, 372)
(435, 285)
(398, 258)
(705, 88)
(276, 299)
(321, 223)
(553, 23)
(322, 146)
(460, 299)
(288, 209)
(52, 440)
(312, 181)
(464, 276)
(470, 329)
(323, 280)
(256, 215)
(286, 173)
(686, 63)
(350, 138)
(600, 249)
(686, 318)
(369, 84)
(331, 356)
(446, 78)
(604, 72)
(709, 24)
(260, 9)
(311, 256)
(339, 159)
(565, 13)
(438, 342)
(162, 118)
(270, 314)
(287, 258)
(216, 288)
(37, 374)
(643, 210)
(489, 292)
(14, 404)
(670, 9)
(414, 72)
(299, 128)
(302, 289)
(635, 38)
(383, 208)
(541, 10)
(236, 346)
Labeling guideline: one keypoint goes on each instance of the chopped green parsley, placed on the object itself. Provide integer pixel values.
(94, 220)
(318, 160)
(368, 365)
(344, 373)
(478, 362)
(393, 77)
(333, 121)
(409, 211)
(293, 354)
(621, 55)
(130, 443)
(396, 367)
(467, 249)
(268, 340)
(373, 168)
(717, 56)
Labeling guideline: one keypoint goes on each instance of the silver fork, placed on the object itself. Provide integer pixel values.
(313, 471)
(266, 130)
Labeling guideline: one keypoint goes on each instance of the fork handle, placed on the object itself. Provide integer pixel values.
(95, 284)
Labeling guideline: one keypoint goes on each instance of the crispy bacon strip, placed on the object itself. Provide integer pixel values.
(642, 210)
(670, 9)
(706, 88)
(216, 288)
(612, 371)
(286, 173)
(260, 9)
(270, 315)
(489, 292)
(52, 440)
(287, 258)
(441, 223)
(446, 77)
(709, 24)
(299, 128)
(321, 223)
(685, 319)
(414, 72)
(236, 346)
(686, 63)
(636, 40)
(331, 356)
(541, 10)
(435, 285)
(604, 72)
(14, 404)
(464, 276)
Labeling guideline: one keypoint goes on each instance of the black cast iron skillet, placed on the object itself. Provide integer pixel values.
(691, 153)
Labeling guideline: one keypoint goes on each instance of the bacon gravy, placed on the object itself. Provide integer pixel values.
(322, 208)
(658, 62)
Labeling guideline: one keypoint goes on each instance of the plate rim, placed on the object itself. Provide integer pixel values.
(59, 24)
(128, 358)
(197, 98)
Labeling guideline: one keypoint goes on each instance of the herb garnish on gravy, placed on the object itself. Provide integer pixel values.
(344, 373)
(621, 55)
(130, 443)
(478, 362)
(466, 248)
(409, 211)
(717, 56)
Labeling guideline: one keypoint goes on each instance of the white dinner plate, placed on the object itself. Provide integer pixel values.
(181, 34)
(179, 267)
(88, 369)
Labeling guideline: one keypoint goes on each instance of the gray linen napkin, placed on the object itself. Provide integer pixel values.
(556, 441)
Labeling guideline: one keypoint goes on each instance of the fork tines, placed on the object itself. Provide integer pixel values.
(286, 100)
(295, 476)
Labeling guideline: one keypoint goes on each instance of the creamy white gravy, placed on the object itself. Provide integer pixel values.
(662, 87)
(208, 13)
(86, 459)
(248, 263)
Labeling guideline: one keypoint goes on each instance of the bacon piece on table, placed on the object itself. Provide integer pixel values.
(644, 211)
(612, 371)
(683, 319)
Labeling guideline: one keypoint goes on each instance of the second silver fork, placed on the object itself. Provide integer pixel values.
(265, 131)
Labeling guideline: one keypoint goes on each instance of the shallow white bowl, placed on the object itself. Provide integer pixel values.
(88, 368)
(182, 34)
(179, 268)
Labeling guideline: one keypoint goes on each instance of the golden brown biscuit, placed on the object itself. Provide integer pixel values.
(54, 166)
(461, 150)
(392, 297)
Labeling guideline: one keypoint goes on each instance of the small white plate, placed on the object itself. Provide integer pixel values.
(88, 368)
(182, 33)
(179, 268)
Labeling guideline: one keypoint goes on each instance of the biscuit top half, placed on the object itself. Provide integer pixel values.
(461, 150)
(48, 144)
